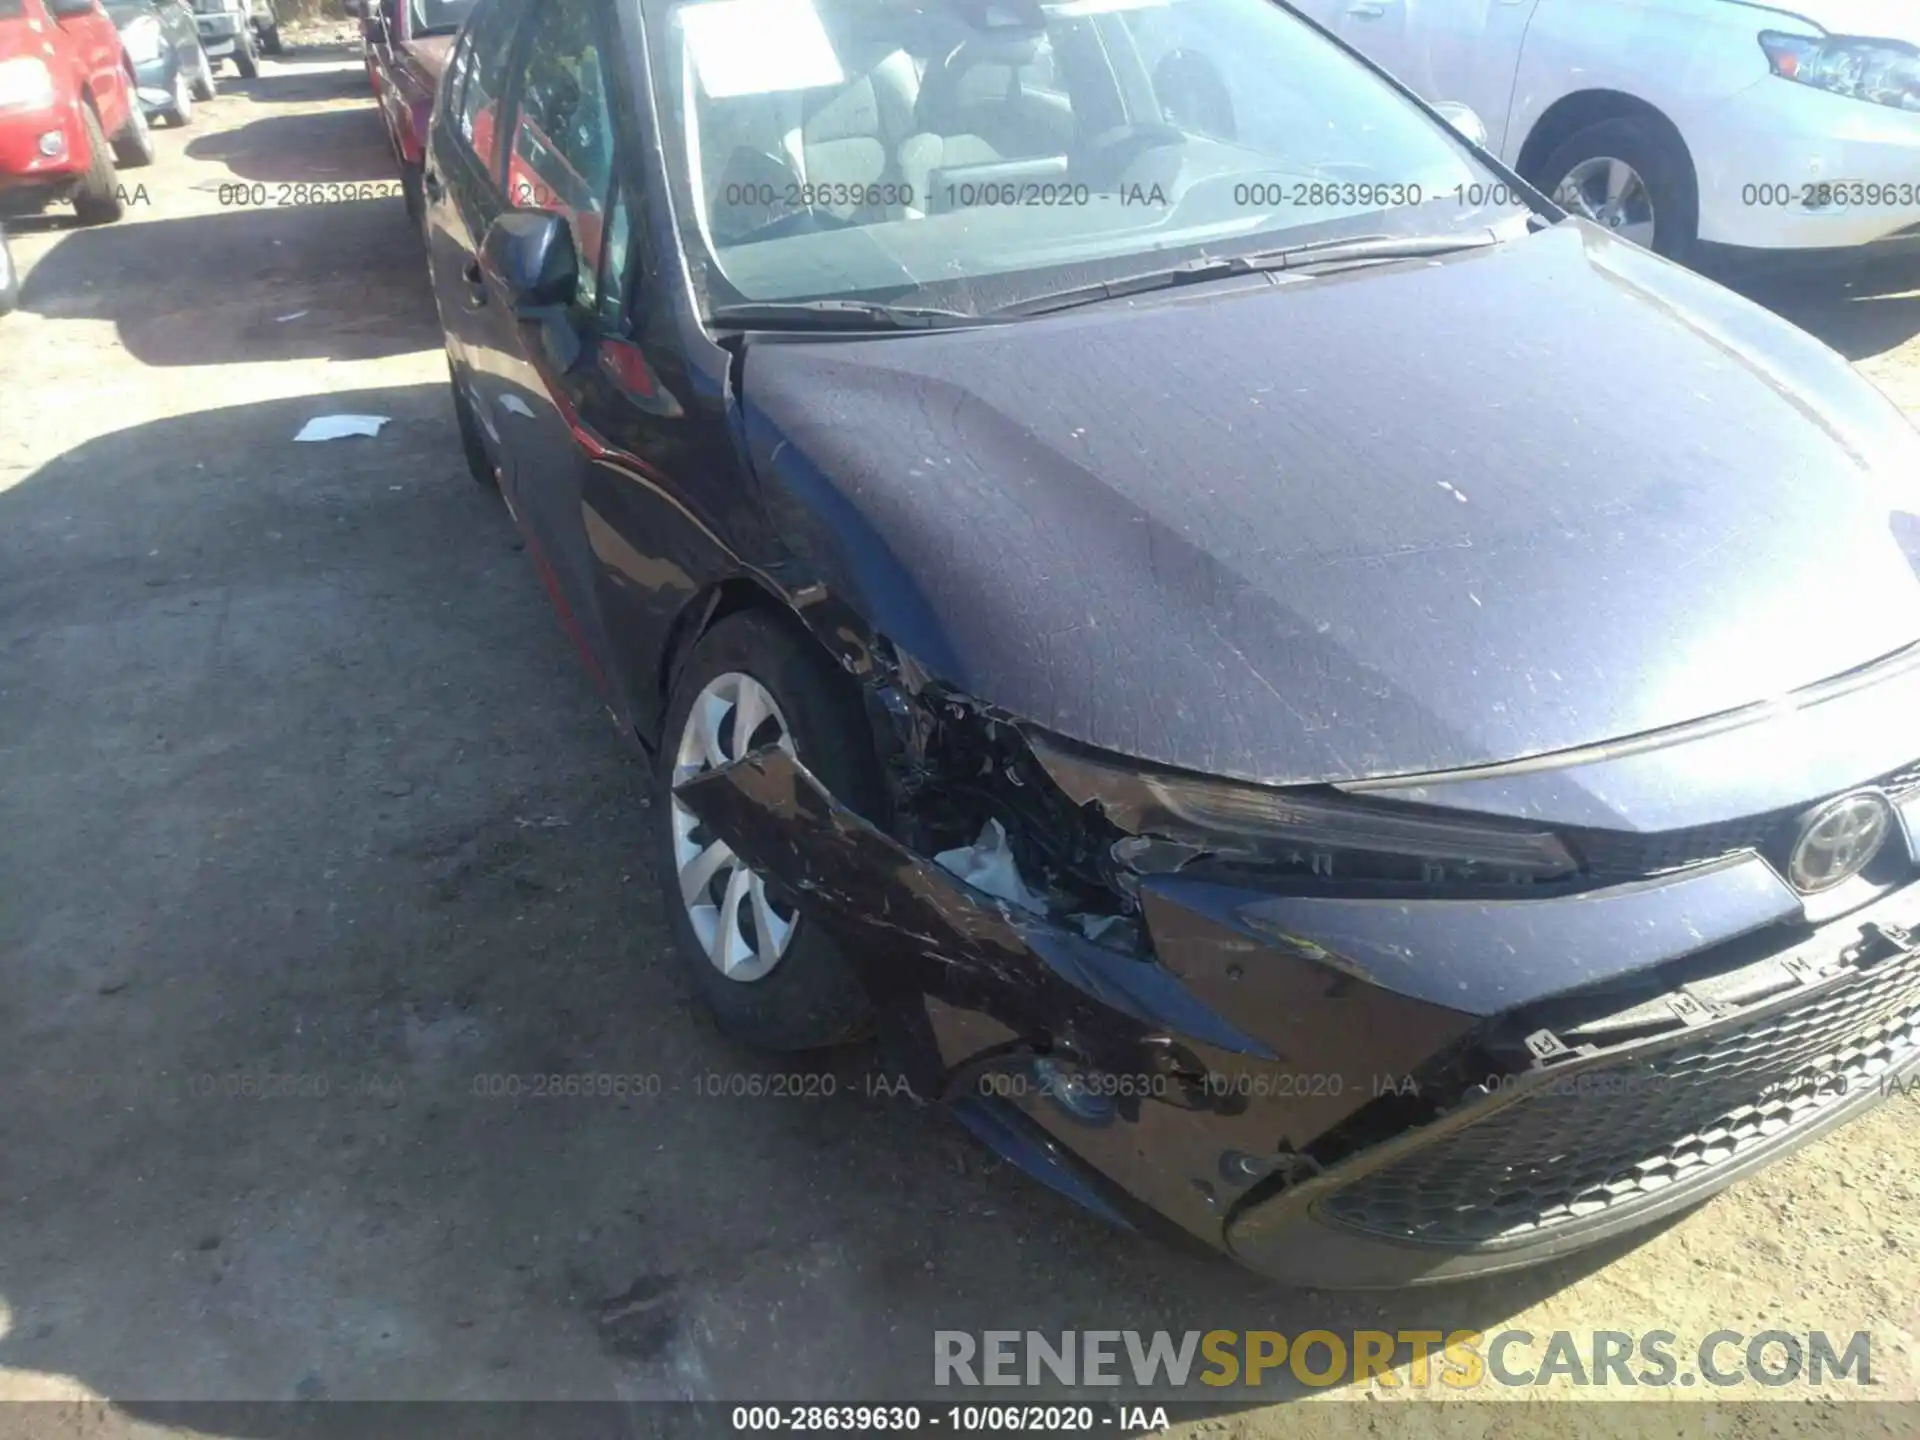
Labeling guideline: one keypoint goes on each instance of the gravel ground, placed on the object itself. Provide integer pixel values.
(298, 780)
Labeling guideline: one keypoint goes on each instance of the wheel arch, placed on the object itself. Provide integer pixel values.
(85, 99)
(729, 595)
(1570, 114)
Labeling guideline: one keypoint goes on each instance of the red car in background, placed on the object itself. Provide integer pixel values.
(407, 43)
(68, 112)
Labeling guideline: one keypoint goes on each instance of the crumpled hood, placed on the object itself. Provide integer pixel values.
(1398, 520)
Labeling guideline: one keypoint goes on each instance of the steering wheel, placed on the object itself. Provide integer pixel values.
(756, 179)
(807, 220)
(1190, 89)
(1105, 158)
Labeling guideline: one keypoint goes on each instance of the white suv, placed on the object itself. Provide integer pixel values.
(1677, 121)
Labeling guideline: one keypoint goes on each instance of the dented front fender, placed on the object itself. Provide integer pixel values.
(1205, 1104)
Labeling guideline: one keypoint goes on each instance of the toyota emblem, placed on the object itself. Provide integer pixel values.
(1838, 840)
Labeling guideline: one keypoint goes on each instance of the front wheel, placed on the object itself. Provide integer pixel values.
(98, 201)
(204, 85)
(413, 190)
(245, 61)
(472, 444)
(771, 978)
(180, 107)
(1630, 177)
(133, 146)
(9, 278)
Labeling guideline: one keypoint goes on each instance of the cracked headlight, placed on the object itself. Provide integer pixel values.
(1312, 831)
(1883, 72)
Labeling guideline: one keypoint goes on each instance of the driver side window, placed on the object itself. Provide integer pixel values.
(477, 77)
(562, 157)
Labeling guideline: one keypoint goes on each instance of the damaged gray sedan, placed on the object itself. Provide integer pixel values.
(1310, 697)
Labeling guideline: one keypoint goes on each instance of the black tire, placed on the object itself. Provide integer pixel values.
(812, 997)
(1662, 162)
(413, 190)
(97, 201)
(244, 60)
(270, 41)
(205, 87)
(133, 146)
(180, 108)
(472, 443)
(9, 278)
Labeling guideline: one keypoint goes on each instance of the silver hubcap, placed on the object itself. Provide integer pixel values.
(1610, 193)
(743, 930)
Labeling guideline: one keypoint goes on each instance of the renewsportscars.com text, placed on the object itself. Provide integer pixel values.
(1458, 1359)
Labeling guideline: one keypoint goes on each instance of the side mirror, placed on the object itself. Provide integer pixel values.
(1464, 119)
(530, 252)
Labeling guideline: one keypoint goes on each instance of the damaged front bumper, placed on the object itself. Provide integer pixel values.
(1292, 1083)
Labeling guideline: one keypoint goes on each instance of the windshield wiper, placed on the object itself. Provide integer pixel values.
(836, 315)
(1312, 255)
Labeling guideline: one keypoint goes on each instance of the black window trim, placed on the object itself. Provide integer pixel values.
(619, 119)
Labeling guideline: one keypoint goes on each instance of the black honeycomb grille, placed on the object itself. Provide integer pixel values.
(1619, 852)
(1623, 852)
(1617, 1135)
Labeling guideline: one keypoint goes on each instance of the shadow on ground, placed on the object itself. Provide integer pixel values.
(321, 856)
(213, 289)
(344, 77)
(328, 146)
(1862, 309)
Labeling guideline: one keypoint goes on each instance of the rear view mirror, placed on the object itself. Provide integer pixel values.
(530, 253)
(1464, 119)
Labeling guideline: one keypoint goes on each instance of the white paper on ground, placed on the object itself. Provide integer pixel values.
(338, 427)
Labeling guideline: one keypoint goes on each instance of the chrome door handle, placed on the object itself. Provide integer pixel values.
(1367, 9)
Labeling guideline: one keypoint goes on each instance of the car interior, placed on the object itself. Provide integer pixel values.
(858, 146)
(915, 115)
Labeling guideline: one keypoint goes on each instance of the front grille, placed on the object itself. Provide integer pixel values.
(1620, 852)
(1625, 853)
(1616, 1135)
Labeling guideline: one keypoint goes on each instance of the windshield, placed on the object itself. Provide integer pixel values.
(438, 17)
(969, 153)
